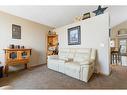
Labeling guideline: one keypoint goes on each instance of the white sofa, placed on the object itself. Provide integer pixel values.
(75, 62)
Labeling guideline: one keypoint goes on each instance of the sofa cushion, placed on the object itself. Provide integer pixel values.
(57, 60)
(63, 54)
(72, 69)
(82, 55)
(71, 53)
(53, 63)
(73, 65)
(86, 62)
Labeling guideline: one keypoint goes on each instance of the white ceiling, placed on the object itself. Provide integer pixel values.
(56, 16)
(118, 14)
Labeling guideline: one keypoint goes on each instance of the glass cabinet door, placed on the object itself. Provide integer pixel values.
(13, 55)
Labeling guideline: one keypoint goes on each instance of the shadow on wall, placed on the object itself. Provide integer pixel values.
(36, 58)
(97, 65)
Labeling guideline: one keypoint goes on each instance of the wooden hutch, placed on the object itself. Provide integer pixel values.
(16, 56)
(52, 44)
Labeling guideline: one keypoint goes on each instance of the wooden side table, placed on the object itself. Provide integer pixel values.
(16, 56)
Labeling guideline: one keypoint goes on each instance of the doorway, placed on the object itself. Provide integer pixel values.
(118, 46)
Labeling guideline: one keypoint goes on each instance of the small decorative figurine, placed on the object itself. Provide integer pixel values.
(49, 32)
(11, 46)
(22, 47)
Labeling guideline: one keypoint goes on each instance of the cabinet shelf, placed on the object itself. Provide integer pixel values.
(52, 42)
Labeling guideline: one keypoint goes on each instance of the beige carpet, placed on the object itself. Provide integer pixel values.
(44, 78)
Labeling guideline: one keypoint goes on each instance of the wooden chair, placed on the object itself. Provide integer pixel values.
(1, 70)
(116, 56)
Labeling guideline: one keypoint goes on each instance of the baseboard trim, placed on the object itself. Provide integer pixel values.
(34, 66)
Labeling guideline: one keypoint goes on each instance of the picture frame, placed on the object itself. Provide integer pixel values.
(16, 31)
(86, 15)
(74, 35)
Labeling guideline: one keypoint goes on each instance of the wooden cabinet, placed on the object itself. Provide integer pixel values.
(52, 44)
(16, 56)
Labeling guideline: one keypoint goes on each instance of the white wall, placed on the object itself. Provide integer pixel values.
(33, 35)
(94, 34)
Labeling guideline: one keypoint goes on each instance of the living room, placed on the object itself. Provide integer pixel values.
(57, 51)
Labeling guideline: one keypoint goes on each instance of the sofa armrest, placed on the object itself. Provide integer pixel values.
(92, 61)
(53, 57)
(87, 62)
(87, 69)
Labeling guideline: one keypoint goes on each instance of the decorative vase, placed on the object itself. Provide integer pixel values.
(11, 46)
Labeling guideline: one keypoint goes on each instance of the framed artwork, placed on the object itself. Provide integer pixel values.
(74, 36)
(85, 16)
(16, 31)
